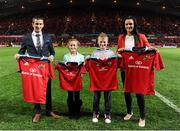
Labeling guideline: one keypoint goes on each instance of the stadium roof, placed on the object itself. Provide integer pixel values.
(15, 6)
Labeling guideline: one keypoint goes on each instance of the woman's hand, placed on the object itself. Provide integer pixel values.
(120, 50)
(119, 55)
(152, 48)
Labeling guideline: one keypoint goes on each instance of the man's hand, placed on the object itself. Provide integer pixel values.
(51, 58)
(17, 56)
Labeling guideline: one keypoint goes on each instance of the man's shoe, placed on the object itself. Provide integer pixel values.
(141, 122)
(36, 118)
(52, 114)
(128, 116)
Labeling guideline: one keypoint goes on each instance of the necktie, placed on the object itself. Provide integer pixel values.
(38, 47)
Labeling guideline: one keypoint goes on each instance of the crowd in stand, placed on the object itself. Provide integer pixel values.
(74, 21)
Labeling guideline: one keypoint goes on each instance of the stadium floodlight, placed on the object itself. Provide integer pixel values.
(163, 6)
(92, 1)
(22, 7)
(115, 1)
(71, 1)
(138, 3)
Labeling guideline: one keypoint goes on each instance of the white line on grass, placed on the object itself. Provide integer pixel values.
(166, 101)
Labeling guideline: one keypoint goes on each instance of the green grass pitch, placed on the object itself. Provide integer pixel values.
(16, 114)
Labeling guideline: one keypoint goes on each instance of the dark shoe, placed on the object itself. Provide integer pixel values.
(78, 105)
(71, 108)
(52, 114)
(73, 116)
(36, 118)
(77, 116)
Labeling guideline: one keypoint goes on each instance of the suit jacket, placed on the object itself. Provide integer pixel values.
(28, 46)
(142, 38)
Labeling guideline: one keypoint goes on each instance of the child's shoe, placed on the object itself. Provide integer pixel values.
(107, 118)
(95, 117)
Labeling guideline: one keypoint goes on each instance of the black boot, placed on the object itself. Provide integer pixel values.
(70, 105)
(78, 105)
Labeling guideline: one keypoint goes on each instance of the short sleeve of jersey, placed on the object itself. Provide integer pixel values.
(51, 71)
(158, 62)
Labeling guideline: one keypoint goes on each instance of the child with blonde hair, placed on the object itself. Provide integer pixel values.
(70, 77)
(102, 68)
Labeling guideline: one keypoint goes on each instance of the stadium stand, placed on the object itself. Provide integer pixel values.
(63, 23)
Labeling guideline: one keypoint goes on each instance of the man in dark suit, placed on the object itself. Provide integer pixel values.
(39, 44)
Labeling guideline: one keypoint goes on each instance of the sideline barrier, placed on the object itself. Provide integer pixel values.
(90, 40)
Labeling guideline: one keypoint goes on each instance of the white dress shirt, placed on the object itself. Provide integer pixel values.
(129, 42)
(34, 38)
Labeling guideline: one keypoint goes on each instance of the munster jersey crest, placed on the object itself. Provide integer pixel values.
(146, 57)
(26, 64)
(41, 66)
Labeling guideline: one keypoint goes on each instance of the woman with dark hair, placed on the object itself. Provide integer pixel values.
(129, 39)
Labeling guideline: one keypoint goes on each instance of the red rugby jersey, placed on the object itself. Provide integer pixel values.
(70, 76)
(35, 74)
(102, 73)
(139, 71)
